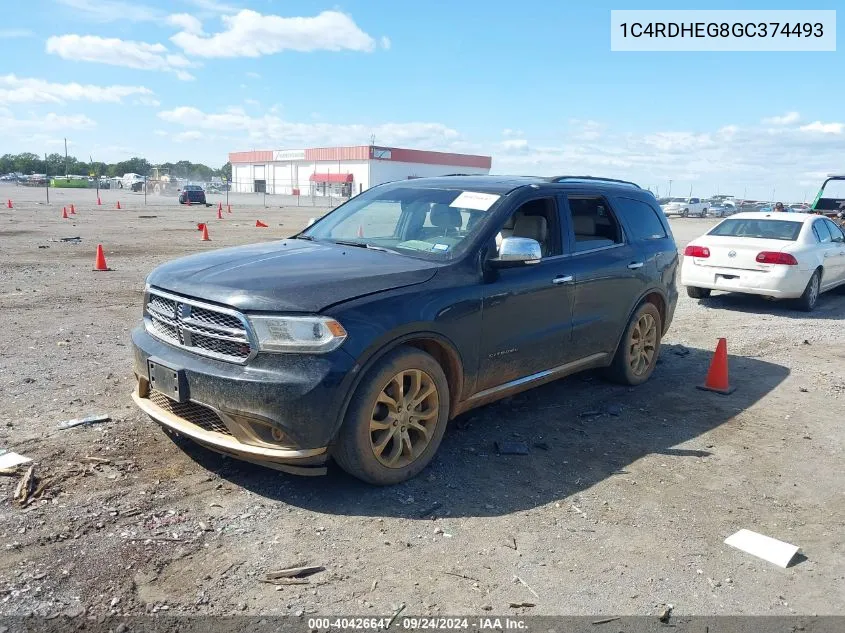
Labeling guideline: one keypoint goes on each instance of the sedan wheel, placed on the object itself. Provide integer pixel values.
(811, 294)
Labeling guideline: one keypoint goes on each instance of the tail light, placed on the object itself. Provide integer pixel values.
(696, 251)
(770, 257)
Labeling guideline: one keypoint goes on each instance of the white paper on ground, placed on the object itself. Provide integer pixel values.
(474, 200)
(764, 547)
(10, 460)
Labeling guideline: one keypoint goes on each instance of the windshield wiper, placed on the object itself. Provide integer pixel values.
(371, 247)
(304, 237)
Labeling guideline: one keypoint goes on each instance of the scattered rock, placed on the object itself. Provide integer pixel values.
(665, 614)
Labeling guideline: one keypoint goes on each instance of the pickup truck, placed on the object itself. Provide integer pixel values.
(685, 207)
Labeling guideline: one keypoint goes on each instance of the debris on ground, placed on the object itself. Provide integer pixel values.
(69, 240)
(665, 614)
(680, 350)
(543, 446)
(91, 419)
(26, 486)
(396, 614)
(589, 414)
(430, 510)
(614, 409)
(606, 620)
(299, 571)
(527, 586)
(10, 460)
(511, 448)
(765, 547)
(520, 605)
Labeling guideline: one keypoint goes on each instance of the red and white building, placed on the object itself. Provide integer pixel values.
(342, 171)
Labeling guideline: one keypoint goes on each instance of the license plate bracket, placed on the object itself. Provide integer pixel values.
(168, 381)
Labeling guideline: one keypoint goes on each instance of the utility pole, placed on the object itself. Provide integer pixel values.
(670, 188)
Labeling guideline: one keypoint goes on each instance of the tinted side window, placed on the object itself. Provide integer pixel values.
(642, 219)
(593, 223)
(835, 231)
(823, 233)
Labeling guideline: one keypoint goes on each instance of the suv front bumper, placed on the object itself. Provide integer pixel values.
(280, 410)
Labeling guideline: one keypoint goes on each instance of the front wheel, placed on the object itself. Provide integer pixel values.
(685, 213)
(636, 356)
(396, 419)
(810, 298)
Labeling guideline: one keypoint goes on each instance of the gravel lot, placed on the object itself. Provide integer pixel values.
(621, 506)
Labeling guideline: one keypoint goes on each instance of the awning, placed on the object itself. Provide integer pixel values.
(330, 178)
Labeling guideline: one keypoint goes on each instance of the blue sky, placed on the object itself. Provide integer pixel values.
(534, 84)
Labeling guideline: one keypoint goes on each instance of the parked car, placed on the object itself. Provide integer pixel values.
(830, 199)
(721, 211)
(782, 256)
(194, 193)
(686, 207)
(362, 336)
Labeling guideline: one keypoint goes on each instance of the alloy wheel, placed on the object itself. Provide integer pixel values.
(814, 290)
(643, 344)
(404, 417)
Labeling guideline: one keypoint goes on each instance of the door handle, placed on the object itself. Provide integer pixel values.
(562, 279)
(635, 265)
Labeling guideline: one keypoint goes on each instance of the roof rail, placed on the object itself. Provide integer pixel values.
(596, 178)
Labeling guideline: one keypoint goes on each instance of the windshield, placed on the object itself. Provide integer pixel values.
(763, 229)
(421, 222)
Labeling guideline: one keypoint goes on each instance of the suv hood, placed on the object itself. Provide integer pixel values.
(288, 276)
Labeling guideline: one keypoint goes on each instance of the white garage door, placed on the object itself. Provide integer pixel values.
(259, 172)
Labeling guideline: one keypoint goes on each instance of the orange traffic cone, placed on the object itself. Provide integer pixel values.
(64, 213)
(72, 210)
(205, 237)
(100, 262)
(260, 225)
(99, 202)
(360, 231)
(199, 226)
(9, 204)
(219, 214)
(219, 207)
(717, 376)
(229, 208)
(118, 205)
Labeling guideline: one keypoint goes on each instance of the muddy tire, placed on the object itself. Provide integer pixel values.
(636, 356)
(697, 293)
(810, 298)
(396, 419)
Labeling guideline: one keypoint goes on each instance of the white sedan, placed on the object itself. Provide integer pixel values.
(778, 255)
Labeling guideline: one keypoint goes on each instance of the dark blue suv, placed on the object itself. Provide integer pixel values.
(363, 335)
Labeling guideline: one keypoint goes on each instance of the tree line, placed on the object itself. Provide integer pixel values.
(28, 163)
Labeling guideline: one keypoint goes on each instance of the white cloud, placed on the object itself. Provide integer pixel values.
(187, 22)
(271, 130)
(15, 89)
(252, 102)
(587, 130)
(787, 119)
(190, 135)
(385, 42)
(213, 6)
(824, 128)
(51, 122)
(8, 34)
(253, 75)
(113, 10)
(251, 34)
(117, 52)
(514, 143)
(510, 132)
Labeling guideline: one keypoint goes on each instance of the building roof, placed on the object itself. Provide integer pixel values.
(363, 152)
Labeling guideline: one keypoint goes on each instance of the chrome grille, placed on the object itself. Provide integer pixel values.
(199, 327)
(196, 414)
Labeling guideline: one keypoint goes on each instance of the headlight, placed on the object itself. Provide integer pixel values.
(316, 335)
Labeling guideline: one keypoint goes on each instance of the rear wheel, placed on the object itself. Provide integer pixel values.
(698, 293)
(685, 213)
(810, 298)
(637, 354)
(396, 419)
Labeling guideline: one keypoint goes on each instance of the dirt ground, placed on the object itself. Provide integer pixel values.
(621, 506)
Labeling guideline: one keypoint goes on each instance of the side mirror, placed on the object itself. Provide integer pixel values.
(517, 251)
